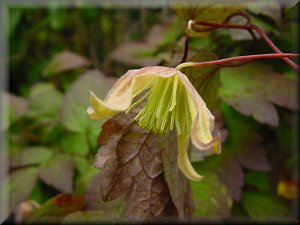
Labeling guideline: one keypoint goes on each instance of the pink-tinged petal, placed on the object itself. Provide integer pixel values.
(202, 120)
(127, 87)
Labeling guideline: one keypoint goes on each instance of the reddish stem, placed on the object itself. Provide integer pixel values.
(186, 48)
(237, 58)
(247, 27)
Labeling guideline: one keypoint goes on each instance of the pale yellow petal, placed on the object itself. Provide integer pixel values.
(202, 120)
(183, 160)
(126, 88)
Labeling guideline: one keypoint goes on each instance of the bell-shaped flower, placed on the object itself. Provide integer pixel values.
(172, 103)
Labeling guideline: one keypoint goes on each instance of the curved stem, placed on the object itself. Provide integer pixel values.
(235, 59)
(186, 48)
(246, 27)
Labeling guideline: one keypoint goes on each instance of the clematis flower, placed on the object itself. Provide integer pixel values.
(172, 103)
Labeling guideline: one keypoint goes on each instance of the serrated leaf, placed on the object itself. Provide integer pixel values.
(30, 156)
(75, 102)
(260, 205)
(64, 61)
(206, 10)
(55, 209)
(252, 88)
(58, 172)
(44, 102)
(178, 184)
(112, 209)
(131, 163)
(20, 185)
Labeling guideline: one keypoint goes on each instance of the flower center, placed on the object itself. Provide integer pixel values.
(166, 108)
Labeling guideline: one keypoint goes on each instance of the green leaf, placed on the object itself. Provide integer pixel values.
(252, 88)
(44, 102)
(210, 195)
(58, 172)
(260, 205)
(20, 185)
(64, 61)
(76, 101)
(30, 156)
(258, 179)
(75, 144)
(206, 10)
(55, 209)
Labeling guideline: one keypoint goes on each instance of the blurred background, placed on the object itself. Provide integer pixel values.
(57, 54)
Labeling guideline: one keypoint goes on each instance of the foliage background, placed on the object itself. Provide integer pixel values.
(57, 54)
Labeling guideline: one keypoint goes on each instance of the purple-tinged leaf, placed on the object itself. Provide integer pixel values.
(58, 172)
(253, 157)
(130, 159)
(64, 61)
(24, 157)
(233, 177)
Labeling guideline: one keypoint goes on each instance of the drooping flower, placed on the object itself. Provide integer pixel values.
(172, 103)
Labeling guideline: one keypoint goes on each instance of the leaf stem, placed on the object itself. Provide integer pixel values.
(237, 58)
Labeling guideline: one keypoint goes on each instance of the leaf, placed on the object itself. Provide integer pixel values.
(232, 177)
(75, 102)
(17, 107)
(86, 217)
(252, 88)
(130, 53)
(20, 185)
(55, 209)
(260, 205)
(64, 61)
(24, 157)
(75, 143)
(270, 9)
(211, 196)
(112, 209)
(258, 179)
(58, 172)
(241, 149)
(178, 184)
(44, 102)
(131, 164)
(206, 10)
(253, 157)
(145, 53)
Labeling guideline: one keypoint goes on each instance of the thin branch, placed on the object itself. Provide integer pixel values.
(245, 27)
(237, 58)
(186, 48)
